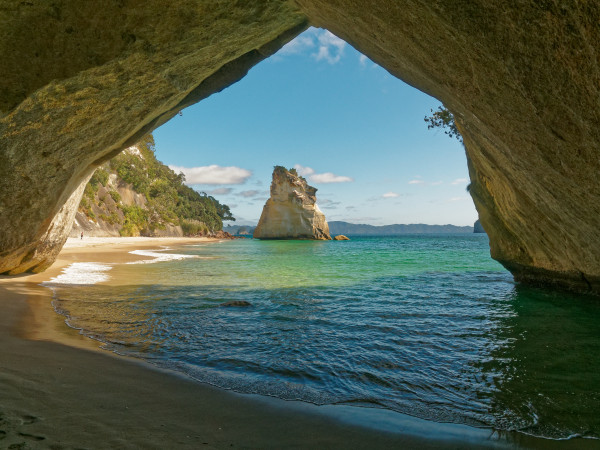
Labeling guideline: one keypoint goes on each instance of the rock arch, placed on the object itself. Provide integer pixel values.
(522, 80)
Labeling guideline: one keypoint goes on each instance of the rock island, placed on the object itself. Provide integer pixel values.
(292, 211)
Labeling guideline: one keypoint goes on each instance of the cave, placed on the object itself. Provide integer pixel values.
(522, 81)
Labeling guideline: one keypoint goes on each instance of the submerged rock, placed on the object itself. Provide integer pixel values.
(235, 303)
(341, 237)
(292, 211)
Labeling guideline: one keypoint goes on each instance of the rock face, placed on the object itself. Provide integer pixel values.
(341, 237)
(81, 82)
(521, 79)
(104, 216)
(292, 211)
(522, 82)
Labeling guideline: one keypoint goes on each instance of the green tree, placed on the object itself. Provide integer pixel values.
(168, 199)
(442, 118)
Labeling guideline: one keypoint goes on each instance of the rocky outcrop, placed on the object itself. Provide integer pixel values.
(292, 211)
(134, 194)
(81, 81)
(341, 237)
(103, 216)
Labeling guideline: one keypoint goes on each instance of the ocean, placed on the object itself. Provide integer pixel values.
(425, 325)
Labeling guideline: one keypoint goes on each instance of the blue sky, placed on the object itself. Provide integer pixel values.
(355, 131)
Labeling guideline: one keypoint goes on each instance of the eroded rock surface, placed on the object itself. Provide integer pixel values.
(523, 82)
(81, 81)
(291, 212)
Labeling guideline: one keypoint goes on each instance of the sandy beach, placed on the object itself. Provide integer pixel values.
(59, 390)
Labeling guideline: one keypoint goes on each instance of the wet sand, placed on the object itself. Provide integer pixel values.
(59, 390)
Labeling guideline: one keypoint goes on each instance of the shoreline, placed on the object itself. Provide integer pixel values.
(60, 388)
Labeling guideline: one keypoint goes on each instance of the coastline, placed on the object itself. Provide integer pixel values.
(60, 389)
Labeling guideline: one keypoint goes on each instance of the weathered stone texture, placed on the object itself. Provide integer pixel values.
(79, 81)
(291, 212)
(523, 82)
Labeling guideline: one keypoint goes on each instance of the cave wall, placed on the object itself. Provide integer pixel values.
(523, 82)
(82, 81)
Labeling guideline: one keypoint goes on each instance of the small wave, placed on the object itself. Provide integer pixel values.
(158, 257)
(81, 273)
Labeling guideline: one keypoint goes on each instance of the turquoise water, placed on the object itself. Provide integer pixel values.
(425, 325)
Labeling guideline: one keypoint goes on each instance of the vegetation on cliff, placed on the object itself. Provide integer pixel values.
(444, 119)
(161, 200)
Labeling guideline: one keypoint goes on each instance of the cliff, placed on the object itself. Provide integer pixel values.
(134, 194)
(292, 211)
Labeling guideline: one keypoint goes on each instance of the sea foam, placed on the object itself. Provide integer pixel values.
(81, 273)
(158, 256)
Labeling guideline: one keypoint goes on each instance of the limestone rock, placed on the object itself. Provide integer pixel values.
(81, 81)
(341, 237)
(292, 211)
(221, 235)
(522, 81)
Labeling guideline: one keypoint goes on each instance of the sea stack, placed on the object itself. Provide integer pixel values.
(292, 211)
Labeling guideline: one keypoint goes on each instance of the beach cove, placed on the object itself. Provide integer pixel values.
(59, 390)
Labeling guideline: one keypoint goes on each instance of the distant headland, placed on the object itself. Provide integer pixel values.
(354, 229)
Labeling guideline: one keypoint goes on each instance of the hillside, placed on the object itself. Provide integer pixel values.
(349, 229)
(134, 194)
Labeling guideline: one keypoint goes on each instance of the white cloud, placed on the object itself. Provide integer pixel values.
(390, 195)
(331, 47)
(213, 174)
(219, 191)
(437, 183)
(325, 46)
(304, 171)
(250, 193)
(325, 201)
(460, 181)
(416, 182)
(362, 59)
(326, 177)
(297, 45)
(329, 177)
